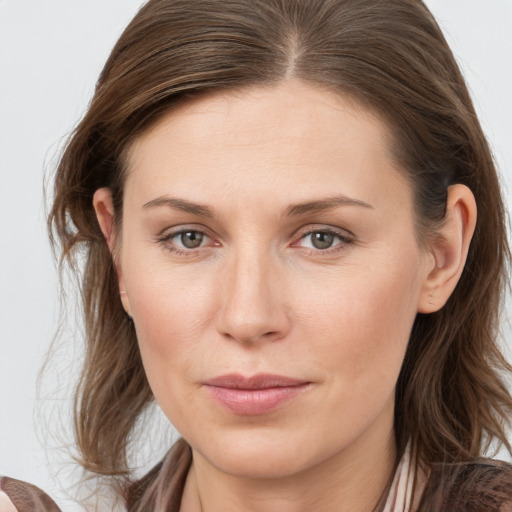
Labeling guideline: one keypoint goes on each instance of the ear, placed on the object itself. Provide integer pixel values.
(104, 208)
(449, 249)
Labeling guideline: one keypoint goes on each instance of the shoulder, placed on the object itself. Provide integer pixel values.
(19, 496)
(483, 485)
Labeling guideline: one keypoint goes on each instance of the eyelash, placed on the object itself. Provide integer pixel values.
(344, 239)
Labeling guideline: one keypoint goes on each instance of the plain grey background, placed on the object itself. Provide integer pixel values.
(51, 52)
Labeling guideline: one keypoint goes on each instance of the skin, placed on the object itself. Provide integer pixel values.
(258, 296)
(6, 504)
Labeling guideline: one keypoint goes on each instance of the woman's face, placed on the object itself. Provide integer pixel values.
(272, 271)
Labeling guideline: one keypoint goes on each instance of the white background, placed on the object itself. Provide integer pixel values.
(51, 52)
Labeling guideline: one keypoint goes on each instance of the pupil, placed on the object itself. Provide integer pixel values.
(322, 240)
(191, 239)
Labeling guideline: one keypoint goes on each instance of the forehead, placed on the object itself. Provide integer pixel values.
(298, 135)
(242, 114)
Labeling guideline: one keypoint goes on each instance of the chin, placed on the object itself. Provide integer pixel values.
(260, 455)
(259, 463)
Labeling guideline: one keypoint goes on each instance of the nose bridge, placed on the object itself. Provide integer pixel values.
(252, 305)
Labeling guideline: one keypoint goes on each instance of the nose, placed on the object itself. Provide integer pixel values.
(253, 301)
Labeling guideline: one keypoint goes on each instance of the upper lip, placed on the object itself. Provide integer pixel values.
(259, 381)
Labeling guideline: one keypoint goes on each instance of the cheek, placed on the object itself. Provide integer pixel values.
(170, 311)
(361, 325)
(169, 324)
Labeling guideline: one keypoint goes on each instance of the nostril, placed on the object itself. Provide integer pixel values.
(252, 337)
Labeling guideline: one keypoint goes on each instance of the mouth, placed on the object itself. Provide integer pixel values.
(255, 395)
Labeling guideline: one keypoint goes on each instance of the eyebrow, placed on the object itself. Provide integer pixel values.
(293, 210)
(323, 205)
(180, 204)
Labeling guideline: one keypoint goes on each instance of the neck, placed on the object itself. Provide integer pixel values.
(351, 481)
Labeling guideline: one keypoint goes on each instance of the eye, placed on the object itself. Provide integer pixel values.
(323, 240)
(189, 239)
(186, 241)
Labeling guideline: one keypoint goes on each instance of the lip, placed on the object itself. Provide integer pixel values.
(258, 394)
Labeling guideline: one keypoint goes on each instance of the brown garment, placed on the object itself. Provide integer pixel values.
(481, 486)
(27, 497)
(484, 485)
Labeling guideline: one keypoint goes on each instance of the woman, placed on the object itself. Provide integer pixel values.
(295, 244)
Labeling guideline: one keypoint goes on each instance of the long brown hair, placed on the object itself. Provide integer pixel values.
(391, 56)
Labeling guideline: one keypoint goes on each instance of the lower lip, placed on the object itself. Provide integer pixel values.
(248, 402)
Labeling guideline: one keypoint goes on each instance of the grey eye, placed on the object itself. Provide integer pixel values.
(321, 239)
(191, 239)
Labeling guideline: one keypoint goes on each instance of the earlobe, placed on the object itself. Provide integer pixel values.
(449, 249)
